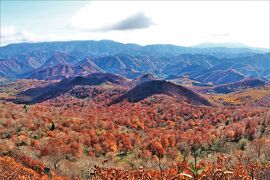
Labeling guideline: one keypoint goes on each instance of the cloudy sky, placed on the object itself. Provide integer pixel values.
(183, 23)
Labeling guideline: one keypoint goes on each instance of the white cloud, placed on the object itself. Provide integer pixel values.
(132, 22)
(98, 15)
(11, 34)
(179, 22)
(151, 22)
(7, 31)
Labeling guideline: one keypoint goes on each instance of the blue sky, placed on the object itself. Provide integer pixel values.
(38, 16)
(144, 22)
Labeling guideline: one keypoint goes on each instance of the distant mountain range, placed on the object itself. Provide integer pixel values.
(238, 86)
(206, 64)
(228, 45)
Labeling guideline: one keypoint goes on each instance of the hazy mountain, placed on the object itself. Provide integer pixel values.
(82, 49)
(59, 71)
(57, 60)
(130, 66)
(11, 68)
(188, 64)
(62, 66)
(239, 85)
(220, 76)
(229, 45)
(85, 67)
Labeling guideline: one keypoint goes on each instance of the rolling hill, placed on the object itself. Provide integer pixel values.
(153, 87)
(54, 90)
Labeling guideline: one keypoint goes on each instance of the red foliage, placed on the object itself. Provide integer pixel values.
(157, 149)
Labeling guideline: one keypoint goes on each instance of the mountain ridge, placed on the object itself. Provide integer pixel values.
(58, 60)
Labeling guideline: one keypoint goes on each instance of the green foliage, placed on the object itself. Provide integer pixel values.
(26, 108)
(242, 143)
(123, 154)
(52, 127)
(218, 145)
(195, 170)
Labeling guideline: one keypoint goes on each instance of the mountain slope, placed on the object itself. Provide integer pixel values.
(240, 85)
(129, 60)
(153, 87)
(144, 78)
(59, 58)
(54, 90)
(59, 71)
(110, 64)
(85, 67)
(62, 70)
(220, 76)
(130, 66)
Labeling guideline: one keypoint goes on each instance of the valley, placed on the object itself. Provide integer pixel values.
(102, 109)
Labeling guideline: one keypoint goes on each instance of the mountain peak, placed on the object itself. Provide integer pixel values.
(225, 44)
(150, 88)
(236, 45)
(144, 78)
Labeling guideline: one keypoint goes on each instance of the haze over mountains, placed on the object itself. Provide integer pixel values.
(57, 60)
